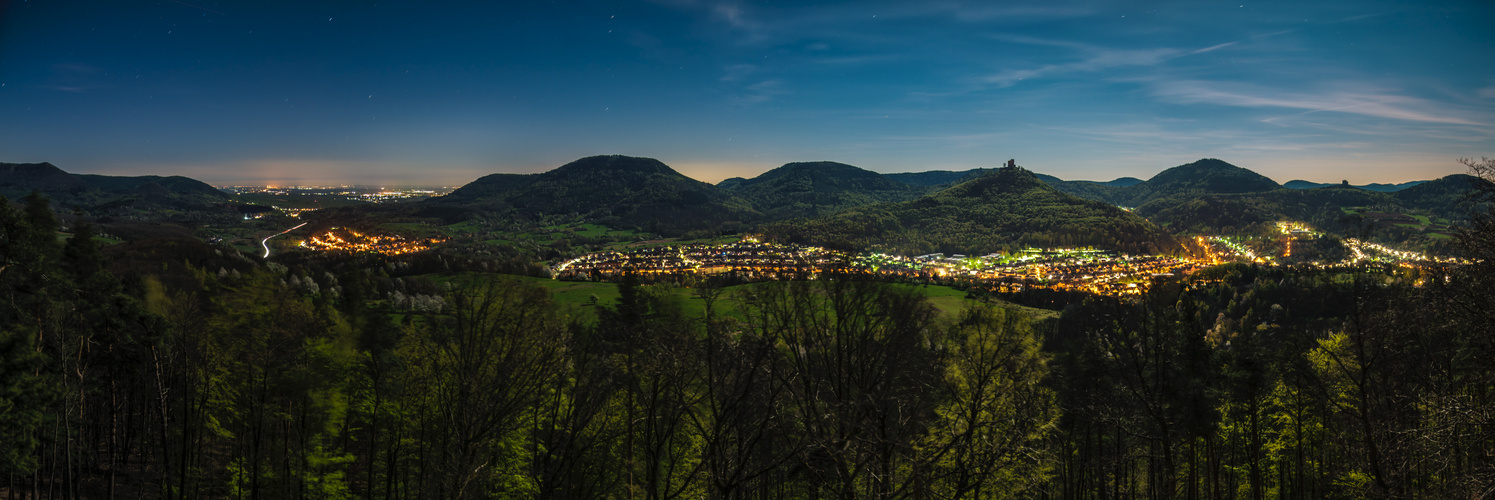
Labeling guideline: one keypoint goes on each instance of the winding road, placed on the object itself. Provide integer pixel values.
(266, 242)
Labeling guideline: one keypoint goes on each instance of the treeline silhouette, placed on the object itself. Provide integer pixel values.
(197, 373)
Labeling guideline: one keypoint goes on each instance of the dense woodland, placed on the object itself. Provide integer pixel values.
(184, 371)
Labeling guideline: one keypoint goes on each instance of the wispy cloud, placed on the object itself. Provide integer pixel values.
(1365, 103)
(1030, 40)
(1098, 60)
(1211, 48)
(986, 12)
(1095, 59)
(734, 15)
(75, 78)
(764, 91)
(756, 25)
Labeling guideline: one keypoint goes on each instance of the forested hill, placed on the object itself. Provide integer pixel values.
(1004, 209)
(1206, 176)
(935, 178)
(807, 189)
(1119, 182)
(1212, 196)
(87, 190)
(1444, 195)
(1213, 178)
(616, 190)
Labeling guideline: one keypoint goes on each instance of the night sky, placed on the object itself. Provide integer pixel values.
(441, 93)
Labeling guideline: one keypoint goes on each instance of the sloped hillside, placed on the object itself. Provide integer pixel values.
(1004, 209)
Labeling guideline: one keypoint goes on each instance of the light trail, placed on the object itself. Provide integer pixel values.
(266, 242)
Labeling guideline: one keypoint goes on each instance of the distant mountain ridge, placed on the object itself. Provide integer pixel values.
(1003, 209)
(935, 178)
(805, 189)
(616, 190)
(1124, 182)
(90, 190)
(1211, 195)
(1384, 188)
(1206, 176)
(1208, 194)
(825, 202)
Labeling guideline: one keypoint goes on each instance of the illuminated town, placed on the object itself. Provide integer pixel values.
(370, 194)
(748, 258)
(1086, 270)
(341, 239)
(1066, 269)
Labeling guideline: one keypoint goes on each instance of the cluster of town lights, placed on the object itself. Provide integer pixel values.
(1088, 270)
(348, 240)
(1071, 269)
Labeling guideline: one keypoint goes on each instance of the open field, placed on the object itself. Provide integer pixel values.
(576, 298)
(1434, 227)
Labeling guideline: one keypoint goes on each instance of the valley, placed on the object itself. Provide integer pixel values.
(613, 280)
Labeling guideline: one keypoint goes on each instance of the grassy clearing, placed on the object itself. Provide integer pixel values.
(589, 230)
(466, 227)
(952, 302)
(580, 299)
(63, 237)
(573, 297)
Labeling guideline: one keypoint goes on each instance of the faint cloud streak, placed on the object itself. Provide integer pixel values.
(764, 91)
(1380, 105)
(1104, 59)
(1099, 59)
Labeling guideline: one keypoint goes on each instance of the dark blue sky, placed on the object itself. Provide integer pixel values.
(428, 93)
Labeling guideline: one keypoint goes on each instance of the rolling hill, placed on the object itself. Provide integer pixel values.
(619, 191)
(1444, 196)
(807, 189)
(101, 194)
(1208, 175)
(1384, 188)
(1003, 209)
(937, 178)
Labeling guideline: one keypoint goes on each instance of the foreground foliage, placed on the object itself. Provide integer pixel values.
(182, 371)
